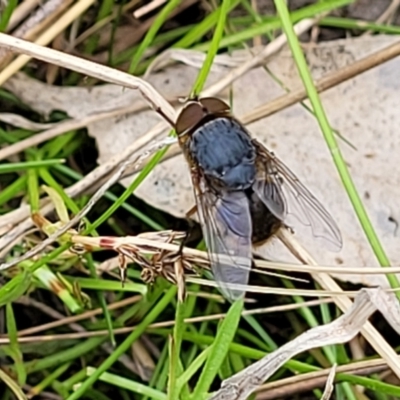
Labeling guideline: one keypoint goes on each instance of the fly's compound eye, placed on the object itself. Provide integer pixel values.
(214, 105)
(190, 116)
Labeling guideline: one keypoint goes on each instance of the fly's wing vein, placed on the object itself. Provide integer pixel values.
(288, 199)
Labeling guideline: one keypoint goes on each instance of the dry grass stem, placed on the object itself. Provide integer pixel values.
(57, 129)
(147, 243)
(21, 12)
(79, 216)
(40, 19)
(22, 122)
(45, 38)
(74, 318)
(305, 382)
(134, 299)
(147, 8)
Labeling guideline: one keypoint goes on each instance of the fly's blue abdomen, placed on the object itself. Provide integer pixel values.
(224, 151)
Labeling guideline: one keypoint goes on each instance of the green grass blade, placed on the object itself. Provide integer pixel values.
(132, 187)
(5, 14)
(152, 32)
(15, 351)
(23, 166)
(331, 139)
(13, 189)
(200, 29)
(272, 23)
(175, 369)
(212, 51)
(219, 349)
(33, 190)
(125, 345)
(348, 23)
(15, 288)
(193, 367)
(49, 379)
(102, 299)
(132, 386)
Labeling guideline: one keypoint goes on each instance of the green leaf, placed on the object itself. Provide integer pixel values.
(15, 288)
(129, 384)
(16, 353)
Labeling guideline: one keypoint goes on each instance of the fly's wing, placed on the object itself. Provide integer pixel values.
(227, 228)
(287, 198)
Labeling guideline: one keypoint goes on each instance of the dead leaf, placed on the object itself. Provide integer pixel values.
(363, 110)
(344, 328)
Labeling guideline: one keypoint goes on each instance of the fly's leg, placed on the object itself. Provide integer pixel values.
(189, 231)
(179, 252)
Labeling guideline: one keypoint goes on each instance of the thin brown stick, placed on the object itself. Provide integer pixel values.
(312, 380)
(124, 359)
(214, 317)
(330, 80)
(75, 318)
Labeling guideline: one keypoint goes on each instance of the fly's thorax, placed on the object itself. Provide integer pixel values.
(223, 150)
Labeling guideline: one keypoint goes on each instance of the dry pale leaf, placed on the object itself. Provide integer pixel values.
(343, 329)
(363, 110)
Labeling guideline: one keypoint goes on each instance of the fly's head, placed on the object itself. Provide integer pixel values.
(196, 112)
